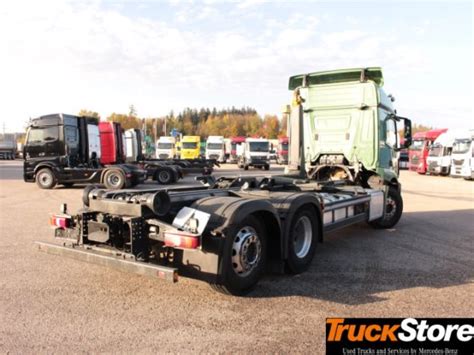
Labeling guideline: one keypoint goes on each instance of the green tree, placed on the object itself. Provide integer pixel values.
(126, 121)
(88, 113)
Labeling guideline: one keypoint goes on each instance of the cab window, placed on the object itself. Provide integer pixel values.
(42, 135)
(391, 133)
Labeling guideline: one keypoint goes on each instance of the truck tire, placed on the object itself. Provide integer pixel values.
(393, 210)
(164, 176)
(244, 258)
(114, 179)
(303, 239)
(246, 167)
(46, 179)
(267, 167)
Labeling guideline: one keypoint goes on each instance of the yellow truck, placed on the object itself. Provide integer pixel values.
(190, 147)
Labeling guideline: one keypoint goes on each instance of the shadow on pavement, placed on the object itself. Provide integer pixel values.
(353, 266)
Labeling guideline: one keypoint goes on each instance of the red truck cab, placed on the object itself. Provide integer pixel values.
(418, 151)
(282, 152)
(111, 143)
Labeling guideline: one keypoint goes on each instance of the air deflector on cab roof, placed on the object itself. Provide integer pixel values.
(338, 76)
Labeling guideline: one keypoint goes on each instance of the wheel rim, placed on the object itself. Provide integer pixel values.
(113, 180)
(45, 179)
(390, 208)
(302, 237)
(246, 251)
(164, 176)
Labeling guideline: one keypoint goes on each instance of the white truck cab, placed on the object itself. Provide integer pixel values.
(462, 162)
(166, 148)
(215, 148)
(438, 161)
(132, 146)
(255, 153)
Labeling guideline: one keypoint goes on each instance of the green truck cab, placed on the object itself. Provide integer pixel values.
(349, 127)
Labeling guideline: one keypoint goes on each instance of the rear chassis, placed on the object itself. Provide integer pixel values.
(140, 229)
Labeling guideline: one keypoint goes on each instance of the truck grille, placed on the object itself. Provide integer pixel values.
(213, 156)
(164, 156)
(458, 161)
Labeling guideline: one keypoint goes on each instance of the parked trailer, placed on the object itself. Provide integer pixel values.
(66, 149)
(8, 146)
(231, 230)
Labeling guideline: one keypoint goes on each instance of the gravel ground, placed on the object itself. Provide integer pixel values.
(424, 267)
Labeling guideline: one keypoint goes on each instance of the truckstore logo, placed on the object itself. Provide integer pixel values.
(400, 336)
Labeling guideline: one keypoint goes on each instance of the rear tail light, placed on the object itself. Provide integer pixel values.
(60, 221)
(181, 240)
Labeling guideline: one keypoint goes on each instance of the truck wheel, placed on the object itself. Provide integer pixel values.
(393, 210)
(246, 167)
(244, 257)
(164, 177)
(114, 180)
(267, 167)
(302, 240)
(45, 179)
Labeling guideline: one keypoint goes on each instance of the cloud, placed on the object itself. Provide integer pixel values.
(64, 56)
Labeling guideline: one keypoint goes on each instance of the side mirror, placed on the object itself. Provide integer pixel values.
(406, 131)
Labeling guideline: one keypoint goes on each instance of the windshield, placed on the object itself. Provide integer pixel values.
(216, 146)
(39, 136)
(189, 145)
(461, 146)
(417, 145)
(284, 146)
(165, 145)
(436, 150)
(259, 146)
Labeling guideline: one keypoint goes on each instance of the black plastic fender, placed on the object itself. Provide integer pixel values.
(50, 165)
(230, 210)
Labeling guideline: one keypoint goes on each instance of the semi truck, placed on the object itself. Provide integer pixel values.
(235, 144)
(463, 155)
(215, 148)
(66, 149)
(190, 147)
(418, 152)
(232, 230)
(282, 151)
(120, 147)
(255, 153)
(8, 146)
(166, 148)
(438, 161)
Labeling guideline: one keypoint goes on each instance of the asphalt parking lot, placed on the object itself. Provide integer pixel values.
(422, 268)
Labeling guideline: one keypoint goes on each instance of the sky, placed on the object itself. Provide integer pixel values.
(63, 56)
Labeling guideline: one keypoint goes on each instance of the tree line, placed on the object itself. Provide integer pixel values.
(227, 122)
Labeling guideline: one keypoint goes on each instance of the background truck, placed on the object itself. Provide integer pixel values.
(418, 151)
(114, 151)
(7, 146)
(215, 148)
(282, 151)
(190, 147)
(463, 155)
(235, 144)
(230, 231)
(438, 161)
(66, 149)
(255, 153)
(166, 148)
